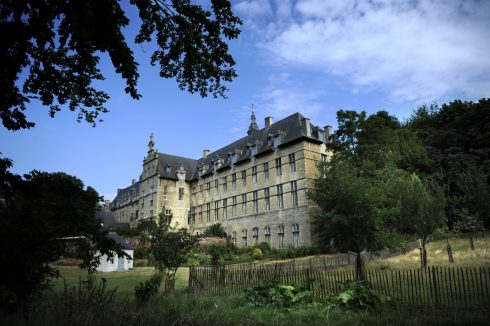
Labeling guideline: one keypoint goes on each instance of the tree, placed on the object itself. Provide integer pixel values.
(423, 204)
(55, 44)
(36, 212)
(215, 230)
(170, 247)
(349, 214)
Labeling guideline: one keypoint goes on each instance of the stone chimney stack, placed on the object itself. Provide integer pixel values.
(133, 181)
(328, 131)
(307, 125)
(205, 153)
(268, 122)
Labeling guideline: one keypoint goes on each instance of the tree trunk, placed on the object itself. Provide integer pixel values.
(472, 244)
(424, 255)
(360, 275)
(170, 283)
(449, 252)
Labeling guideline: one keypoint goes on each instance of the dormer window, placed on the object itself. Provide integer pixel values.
(277, 140)
(233, 158)
(253, 150)
(168, 168)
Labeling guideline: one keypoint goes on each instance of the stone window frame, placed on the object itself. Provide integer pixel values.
(244, 204)
(225, 208)
(267, 198)
(254, 174)
(292, 162)
(280, 236)
(295, 230)
(280, 195)
(267, 235)
(278, 167)
(265, 166)
(294, 193)
(216, 210)
(255, 235)
(245, 237)
(233, 238)
(255, 201)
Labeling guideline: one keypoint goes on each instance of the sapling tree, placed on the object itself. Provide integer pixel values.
(170, 247)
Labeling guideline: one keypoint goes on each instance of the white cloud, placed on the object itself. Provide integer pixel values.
(252, 8)
(414, 50)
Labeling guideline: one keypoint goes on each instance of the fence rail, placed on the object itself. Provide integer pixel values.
(433, 286)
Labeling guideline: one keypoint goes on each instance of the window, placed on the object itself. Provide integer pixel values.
(278, 167)
(292, 163)
(255, 201)
(254, 174)
(267, 199)
(225, 184)
(216, 210)
(216, 185)
(266, 170)
(267, 234)
(324, 163)
(233, 181)
(225, 209)
(233, 207)
(295, 235)
(208, 211)
(193, 215)
(181, 193)
(201, 191)
(280, 236)
(165, 192)
(280, 199)
(200, 214)
(168, 211)
(244, 237)
(244, 204)
(244, 178)
(294, 194)
(255, 236)
(233, 238)
(151, 203)
(208, 187)
(151, 212)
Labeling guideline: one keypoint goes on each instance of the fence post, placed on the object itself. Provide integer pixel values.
(434, 282)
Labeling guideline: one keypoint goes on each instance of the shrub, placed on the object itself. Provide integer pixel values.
(146, 290)
(216, 252)
(357, 295)
(256, 253)
(277, 295)
(264, 247)
(141, 253)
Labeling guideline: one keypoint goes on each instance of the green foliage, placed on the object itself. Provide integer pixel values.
(256, 253)
(146, 290)
(56, 46)
(357, 295)
(215, 230)
(40, 209)
(276, 295)
(141, 253)
(217, 252)
(264, 247)
(170, 246)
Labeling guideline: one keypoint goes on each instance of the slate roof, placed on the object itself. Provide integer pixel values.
(174, 163)
(120, 241)
(109, 221)
(126, 192)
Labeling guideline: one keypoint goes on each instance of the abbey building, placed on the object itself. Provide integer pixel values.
(256, 187)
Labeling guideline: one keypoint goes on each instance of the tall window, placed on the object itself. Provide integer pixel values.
(255, 236)
(233, 181)
(225, 209)
(208, 187)
(254, 174)
(266, 170)
(233, 207)
(267, 235)
(294, 194)
(200, 214)
(225, 184)
(201, 191)
(255, 201)
(324, 163)
(244, 237)
(244, 178)
(280, 198)
(208, 211)
(280, 236)
(267, 199)
(292, 163)
(295, 235)
(233, 238)
(216, 210)
(278, 167)
(244, 204)
(181, 193)
(216, 186)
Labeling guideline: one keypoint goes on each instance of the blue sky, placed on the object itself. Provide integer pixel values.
(308, 56)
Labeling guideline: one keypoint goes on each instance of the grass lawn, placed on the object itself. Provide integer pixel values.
(124, 281)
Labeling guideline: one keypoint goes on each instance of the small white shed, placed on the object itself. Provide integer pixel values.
(117, 263)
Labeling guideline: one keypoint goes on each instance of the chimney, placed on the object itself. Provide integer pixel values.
(268, 122)
(307, 127)
(133, 181)
(118, 190)
(205, 153)
(328, 131)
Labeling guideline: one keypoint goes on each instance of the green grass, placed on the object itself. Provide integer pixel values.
(124, 281)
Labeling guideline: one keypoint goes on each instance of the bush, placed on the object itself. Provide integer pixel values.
(357, 295)
(141, 253)
(216, 252)
(144, 291)
(264, 247)
(256, 253)
(274, 294)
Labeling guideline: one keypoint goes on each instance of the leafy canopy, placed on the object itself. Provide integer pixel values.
(53, 47)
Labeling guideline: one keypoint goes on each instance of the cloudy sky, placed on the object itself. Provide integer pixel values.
(308, 56)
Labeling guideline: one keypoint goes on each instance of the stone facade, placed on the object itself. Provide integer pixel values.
(255, 187)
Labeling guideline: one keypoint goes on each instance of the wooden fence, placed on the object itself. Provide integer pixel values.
(433, 286)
